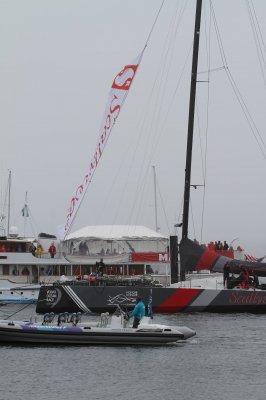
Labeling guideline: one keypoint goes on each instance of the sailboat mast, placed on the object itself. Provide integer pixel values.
(191, 119)
(9, 200)
(25, 215)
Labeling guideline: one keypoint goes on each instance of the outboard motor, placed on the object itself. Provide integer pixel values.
(73, 319)
(46, 319)
(51, 317)
(79, 316)
(61, 319)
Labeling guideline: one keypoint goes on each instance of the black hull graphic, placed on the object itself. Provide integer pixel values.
(164, 300)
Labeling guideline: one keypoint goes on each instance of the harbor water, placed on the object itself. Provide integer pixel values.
(225, 360)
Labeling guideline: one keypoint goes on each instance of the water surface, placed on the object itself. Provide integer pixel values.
(225, 360)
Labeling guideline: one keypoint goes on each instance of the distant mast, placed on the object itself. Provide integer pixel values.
(8, 206)
(191, 119)
(26, 213)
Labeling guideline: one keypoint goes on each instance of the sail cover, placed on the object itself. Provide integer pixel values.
(117, 95)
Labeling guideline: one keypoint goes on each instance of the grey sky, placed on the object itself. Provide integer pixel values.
(58, 59)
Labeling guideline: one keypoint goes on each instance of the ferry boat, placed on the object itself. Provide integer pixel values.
(21, 271)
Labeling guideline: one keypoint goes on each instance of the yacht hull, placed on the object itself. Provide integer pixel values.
(73, 298)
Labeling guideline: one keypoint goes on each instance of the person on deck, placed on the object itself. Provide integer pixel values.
(52, 250)
(32, 249)
(138, 312)
(225, 246)
(39, 251)
(226, 275)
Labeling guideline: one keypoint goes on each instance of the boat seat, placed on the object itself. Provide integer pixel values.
(116, 321)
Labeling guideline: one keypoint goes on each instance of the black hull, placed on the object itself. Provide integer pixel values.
(74, 298)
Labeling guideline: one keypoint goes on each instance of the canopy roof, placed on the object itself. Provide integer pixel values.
(116, 232)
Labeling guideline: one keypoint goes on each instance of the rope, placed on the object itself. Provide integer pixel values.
(21, 309)
(256, 134)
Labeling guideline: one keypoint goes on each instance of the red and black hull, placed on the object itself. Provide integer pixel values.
(73, 298)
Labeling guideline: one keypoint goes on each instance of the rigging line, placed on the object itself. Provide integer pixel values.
(208, 47)
(212, 70)
(155, 21)
(199, 134)
(219, 39)
(201, 151)
(247, 115)
(153, 26)
(144, 176)
(257, 42)
(256, 34)
(162, 86)
(176, 21)
(164, 209)
(3, 211)
(239, 97)
(155, 145)
(158, 128)
(180, 210)
(163, 206)
(258, 26)
(192, 218)
(21, 309)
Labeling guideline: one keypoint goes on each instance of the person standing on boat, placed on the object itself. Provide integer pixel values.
(39, 250)
(52, 250)
(138, 312)
(32, 249)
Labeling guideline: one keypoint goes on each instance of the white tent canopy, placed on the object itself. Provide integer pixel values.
(115, 232)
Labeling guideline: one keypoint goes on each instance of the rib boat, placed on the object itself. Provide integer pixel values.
(69, 329)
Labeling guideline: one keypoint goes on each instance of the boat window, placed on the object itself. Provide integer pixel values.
(167, 330)
(1, 292)
(11, 293)
(21, 292)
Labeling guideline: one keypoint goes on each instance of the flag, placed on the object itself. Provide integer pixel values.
(117, 96)
(150, 305)
(25, 211)
(249, 257)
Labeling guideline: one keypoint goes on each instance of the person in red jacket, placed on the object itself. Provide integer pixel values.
(52, 250)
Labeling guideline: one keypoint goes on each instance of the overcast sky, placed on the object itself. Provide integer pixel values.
(58, 59)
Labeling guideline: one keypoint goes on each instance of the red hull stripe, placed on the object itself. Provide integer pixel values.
(180, 299)
(207, 260)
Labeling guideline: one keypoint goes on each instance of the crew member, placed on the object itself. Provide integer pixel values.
(138, 312)
(52, 250)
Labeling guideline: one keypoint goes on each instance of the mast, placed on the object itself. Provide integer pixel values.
(191, 119)
(25, 213)
(155, 199)
(8, 206)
